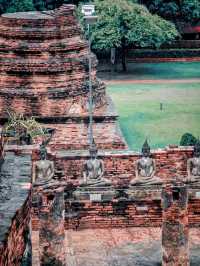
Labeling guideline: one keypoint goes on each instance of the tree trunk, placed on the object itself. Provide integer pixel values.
(124, 67)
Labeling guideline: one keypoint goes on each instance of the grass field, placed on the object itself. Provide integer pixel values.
(140, 116)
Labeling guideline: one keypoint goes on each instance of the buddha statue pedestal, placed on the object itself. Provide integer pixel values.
(152, 192)
(95, 193)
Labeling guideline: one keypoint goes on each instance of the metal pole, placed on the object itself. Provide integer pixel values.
(90, 93)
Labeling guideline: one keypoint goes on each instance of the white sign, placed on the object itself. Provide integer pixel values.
(198, 194)
(88, 10)
(95, 197)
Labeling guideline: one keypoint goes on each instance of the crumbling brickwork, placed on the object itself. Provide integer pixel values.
(49, 200)
(175, 226)
(44, 73)
(120, 165)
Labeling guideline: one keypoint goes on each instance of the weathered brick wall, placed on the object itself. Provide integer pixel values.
(120, 165)
(128, 213)
(123, 213)
(81, 215)
(72, 136)
(49, 199)
(143, 210)
(175, 227)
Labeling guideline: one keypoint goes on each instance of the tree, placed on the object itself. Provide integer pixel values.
(191, 10)
(186, 10)
(52, 4)
(20, 5)
(39, 5)
(188, 140)
(4, 5)
(122, 23)
(166, 9)
(29, 5)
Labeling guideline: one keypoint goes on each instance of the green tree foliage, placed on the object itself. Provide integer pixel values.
(165, 9)
(29, 5)
(51, 4)
(3, 6)
(191, 10)
(188, 10)
(188, 140)
(122, 23)
(39, 5)
(20, 5)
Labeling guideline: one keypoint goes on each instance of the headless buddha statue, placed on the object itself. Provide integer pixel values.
(44, 169)
(94, 170)
(193, 165)
(145, 169)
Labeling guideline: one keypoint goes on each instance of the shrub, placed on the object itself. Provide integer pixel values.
(188, 140)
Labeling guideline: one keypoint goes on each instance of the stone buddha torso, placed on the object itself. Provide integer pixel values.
(196, 167)
(93, 172)
(194, 170)
(145, 169)
(193, 165)
(94, 169)
(44, 170)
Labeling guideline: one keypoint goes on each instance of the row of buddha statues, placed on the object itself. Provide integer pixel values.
(93, 170)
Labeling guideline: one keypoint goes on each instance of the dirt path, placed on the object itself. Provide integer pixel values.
(152, 81)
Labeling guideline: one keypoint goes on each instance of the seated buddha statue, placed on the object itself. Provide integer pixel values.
(43, 169)
(94, 170)
(193, 165)
(145, 169)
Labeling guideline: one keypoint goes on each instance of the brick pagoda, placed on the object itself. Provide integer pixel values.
(44, 73)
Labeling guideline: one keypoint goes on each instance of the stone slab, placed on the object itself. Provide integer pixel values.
(96, 194)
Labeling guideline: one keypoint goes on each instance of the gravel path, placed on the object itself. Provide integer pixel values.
(152, 81)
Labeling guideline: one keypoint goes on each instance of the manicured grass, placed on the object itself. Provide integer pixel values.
(140, 116)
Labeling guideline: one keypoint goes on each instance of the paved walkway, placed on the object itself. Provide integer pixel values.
(136, 246)
(152, 81)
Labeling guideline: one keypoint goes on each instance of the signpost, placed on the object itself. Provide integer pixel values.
(88, 11)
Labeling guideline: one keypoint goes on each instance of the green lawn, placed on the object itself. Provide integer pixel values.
(139, 108)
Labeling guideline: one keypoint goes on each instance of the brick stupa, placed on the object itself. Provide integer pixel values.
(44, 73)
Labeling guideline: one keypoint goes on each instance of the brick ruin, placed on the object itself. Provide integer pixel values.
(175, 226)
(44, 73)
